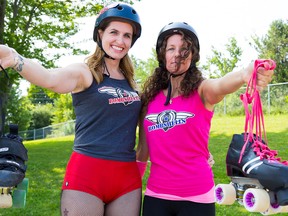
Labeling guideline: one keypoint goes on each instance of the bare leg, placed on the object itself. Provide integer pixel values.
(127, 205)
(75, 203)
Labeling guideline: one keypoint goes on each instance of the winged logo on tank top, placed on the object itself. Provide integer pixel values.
(168, 119)
(120, 95)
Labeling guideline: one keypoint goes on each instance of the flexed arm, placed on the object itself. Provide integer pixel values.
(60, 80)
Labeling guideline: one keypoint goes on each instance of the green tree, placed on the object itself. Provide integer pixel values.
(144, 68)
(40, 29)
(63, 110)
(37, 95)
(22, 109)
(274, 46)
(222, 63)
(41, 116)
(34, 28)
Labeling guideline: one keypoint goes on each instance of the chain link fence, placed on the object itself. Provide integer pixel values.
(56, 130)
(274, 101)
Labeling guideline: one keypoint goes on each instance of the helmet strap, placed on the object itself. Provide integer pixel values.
(106, 69)
(105, 54)
(168, 97)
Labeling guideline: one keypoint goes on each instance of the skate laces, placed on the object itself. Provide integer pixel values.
(254, 116)
(264, 152)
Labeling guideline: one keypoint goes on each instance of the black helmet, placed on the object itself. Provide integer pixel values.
(119, 11)
(174, 27)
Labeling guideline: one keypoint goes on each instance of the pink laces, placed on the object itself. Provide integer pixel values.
(254, 117)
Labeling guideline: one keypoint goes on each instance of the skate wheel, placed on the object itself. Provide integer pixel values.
(19, 198)
(273, 209)
(5, 201)
(256, 200)
(23, 185)
(225, 194)
(284, 209)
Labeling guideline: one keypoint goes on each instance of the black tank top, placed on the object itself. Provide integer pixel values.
(106, 119)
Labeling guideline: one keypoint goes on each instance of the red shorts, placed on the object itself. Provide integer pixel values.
(106, 179)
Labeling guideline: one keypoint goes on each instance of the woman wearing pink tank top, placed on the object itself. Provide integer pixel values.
(175, 123)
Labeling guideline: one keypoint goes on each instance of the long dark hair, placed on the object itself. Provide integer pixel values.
(159, 79)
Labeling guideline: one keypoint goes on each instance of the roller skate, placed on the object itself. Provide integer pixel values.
(13, 184)
(259, 180)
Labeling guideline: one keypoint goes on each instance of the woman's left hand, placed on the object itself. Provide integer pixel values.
(264, 76)
(211, 161)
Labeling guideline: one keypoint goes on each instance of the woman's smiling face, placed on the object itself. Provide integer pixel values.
(117, 39)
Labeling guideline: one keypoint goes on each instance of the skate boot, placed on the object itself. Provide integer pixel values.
(13, 156)
(13, 184)
(259, 162)
(259, 180)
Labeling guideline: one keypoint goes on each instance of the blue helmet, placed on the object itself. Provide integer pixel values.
(118, 11)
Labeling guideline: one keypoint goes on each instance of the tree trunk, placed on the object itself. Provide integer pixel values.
(3, 89)
(2, 15)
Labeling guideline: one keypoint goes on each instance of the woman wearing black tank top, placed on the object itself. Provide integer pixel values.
(97, 182)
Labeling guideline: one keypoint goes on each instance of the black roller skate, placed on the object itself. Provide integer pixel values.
(259, 180)
(13, 184)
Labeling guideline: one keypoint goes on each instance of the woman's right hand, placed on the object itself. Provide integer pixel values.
(6, 56)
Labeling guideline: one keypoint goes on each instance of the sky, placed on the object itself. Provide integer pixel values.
(215, 21)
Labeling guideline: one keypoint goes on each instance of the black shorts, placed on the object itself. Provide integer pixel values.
(160, 207)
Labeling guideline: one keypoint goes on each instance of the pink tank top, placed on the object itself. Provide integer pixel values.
(177, 137)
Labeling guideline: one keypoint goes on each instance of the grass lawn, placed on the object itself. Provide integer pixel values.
(48, 158)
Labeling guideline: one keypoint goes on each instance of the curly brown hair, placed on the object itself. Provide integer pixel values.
(159, 79)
